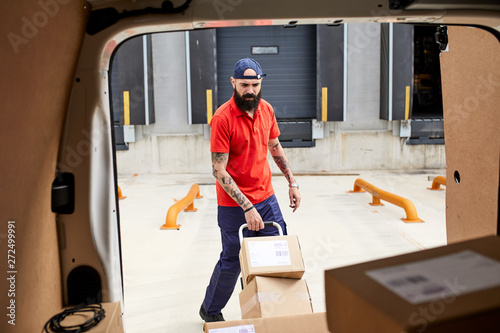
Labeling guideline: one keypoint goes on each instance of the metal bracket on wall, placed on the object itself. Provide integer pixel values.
(103, 18)
(63, 193)
(399, 4)
(441, 36)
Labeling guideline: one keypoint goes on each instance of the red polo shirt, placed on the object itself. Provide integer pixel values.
(245, 139)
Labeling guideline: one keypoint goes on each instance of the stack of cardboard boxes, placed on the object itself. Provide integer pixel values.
(274, 298)
(272, 270)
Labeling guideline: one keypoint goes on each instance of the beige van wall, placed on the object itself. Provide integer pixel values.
(471, 99)
(39, 48)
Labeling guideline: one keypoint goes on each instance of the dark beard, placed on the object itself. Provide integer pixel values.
(247, 105)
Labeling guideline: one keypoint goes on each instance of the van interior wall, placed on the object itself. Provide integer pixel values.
(39, 54)
(471, 95)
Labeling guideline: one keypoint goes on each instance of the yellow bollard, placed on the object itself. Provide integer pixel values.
(439, 180)
(377, 194)
(186, 203)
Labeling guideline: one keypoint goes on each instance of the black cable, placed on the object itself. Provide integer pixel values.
(54, 323)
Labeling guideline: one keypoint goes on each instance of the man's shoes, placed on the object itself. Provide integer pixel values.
(210, 318)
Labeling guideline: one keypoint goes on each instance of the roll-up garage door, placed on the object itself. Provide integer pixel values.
(287, 56)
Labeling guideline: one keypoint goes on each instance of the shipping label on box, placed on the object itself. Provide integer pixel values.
(269, 253)
(436, 278)
(234, 329)
(276, 256)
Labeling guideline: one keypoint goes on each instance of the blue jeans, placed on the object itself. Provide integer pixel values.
(227, 269)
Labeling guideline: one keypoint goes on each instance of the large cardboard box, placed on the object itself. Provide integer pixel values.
(272, 297)
(454, 288)
(276, 256)
(313, 322)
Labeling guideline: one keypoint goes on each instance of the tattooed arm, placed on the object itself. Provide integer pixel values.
(281, 161)
(219, 164)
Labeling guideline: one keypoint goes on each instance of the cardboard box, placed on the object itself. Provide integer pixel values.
(265, 297)
(313, 322)
(275, 256)
(112, 322)
(454, 288)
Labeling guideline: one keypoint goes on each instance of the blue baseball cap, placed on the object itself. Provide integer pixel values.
(244, 64)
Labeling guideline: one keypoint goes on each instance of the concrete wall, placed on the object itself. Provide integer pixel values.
(361, 142)
(341, 151)
(170, 85)
(363, 79)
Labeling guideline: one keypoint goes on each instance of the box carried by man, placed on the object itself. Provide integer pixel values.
(272, 270)
(273, 256)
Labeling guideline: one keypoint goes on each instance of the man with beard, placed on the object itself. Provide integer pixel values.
(242, 131)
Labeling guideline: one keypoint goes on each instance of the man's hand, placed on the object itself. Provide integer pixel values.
(254, 220)
(294, 195)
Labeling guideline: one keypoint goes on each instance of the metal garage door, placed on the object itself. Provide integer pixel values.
(290, 65)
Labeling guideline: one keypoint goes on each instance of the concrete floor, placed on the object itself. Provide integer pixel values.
(166, 271)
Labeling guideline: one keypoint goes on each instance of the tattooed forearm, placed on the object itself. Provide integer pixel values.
(234, 192)
(219, 161)
(214, 171)
(273, 147)
(236, 195)
(280, 159)
(225, 180)
(282, 163)
(219, 158)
